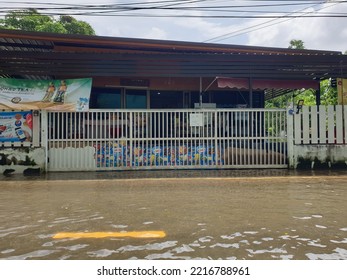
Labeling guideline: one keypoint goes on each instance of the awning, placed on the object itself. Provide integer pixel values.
(238, 83)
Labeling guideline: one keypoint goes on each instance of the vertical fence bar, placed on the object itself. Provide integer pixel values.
(256, 135)
(331, 124)
(322, 125)
(280, 140)
(233, 134)
(298, 128)
(339, 125)
(314, 125)
(290, 139)
(306, 124)
(268, 133)
(45, 135)
(215, 140)
(224, 134)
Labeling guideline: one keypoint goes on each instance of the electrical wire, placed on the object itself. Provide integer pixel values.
(274, 12)
(158, 5)
(257, 26)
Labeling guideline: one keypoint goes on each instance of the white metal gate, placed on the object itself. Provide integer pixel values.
(160, 139)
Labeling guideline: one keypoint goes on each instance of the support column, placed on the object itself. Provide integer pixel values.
(318, 96)
(290, 138)
(44, 136)
(200, 93)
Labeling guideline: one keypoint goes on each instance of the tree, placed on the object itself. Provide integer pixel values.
(74, 26)
(296, 44)
(31, 20)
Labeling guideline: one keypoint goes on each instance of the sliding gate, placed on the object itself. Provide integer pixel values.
(166, 139)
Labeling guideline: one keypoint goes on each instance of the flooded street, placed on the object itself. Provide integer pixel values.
(249, 216)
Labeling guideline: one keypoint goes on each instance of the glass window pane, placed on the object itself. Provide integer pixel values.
(105, 99)
(166, 99)
(136, 99)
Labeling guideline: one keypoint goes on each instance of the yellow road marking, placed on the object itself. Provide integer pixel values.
(134, 234)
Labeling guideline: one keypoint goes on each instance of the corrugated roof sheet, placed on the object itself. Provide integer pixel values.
(46, 54)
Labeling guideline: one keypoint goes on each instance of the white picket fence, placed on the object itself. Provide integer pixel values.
(320, 125)
(160, 139)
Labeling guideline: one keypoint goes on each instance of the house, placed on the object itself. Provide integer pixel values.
(146, 96)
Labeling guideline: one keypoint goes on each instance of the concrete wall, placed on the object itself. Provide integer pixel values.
(319, 156)
(23, 160)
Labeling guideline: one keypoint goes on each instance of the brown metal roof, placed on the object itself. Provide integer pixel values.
(34, 54)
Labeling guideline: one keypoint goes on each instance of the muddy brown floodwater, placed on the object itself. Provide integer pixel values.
(276, 216)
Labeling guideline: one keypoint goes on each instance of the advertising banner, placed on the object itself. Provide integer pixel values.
(54, 95)
(16, 126)
(342, 91)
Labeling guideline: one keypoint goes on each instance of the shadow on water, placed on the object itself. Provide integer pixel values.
(206, 214)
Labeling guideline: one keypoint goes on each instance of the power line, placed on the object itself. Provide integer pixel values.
(159, 5)
(172, 6)
(259, 26)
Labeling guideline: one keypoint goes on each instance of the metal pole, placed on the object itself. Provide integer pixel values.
(200, 100)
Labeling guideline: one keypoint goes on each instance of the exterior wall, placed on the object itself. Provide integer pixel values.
(320, 156)
(22, 160)
(28, 157)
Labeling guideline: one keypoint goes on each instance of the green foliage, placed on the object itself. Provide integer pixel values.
(27, 20)
(31, 20)
(296, 44)
(328, 94)
(328, 97)
(73, 26)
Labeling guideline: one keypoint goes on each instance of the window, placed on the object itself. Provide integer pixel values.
(166, 99)
(104, 98)
(135, 99)
(230, 99)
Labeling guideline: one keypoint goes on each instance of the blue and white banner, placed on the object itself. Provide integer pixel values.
(16, 126)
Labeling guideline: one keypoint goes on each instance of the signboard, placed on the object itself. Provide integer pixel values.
(16, 126)
(196, 119)
(55, 95)
(342, 91)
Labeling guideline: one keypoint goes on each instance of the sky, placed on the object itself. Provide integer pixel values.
(321, 25)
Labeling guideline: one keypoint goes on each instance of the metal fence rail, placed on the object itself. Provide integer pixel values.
(152, 139)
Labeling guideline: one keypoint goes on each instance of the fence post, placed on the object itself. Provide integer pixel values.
(44, 136)
(290, 137)
(131, 136)
(216, 148)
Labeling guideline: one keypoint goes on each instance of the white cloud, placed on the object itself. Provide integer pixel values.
(316, 33)
(156, 33)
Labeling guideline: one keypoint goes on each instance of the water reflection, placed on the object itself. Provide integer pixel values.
(283, 217)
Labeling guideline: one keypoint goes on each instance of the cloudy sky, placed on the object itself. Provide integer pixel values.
(319, 24)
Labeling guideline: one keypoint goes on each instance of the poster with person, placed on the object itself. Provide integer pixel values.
(55, 95)
(16, 126)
